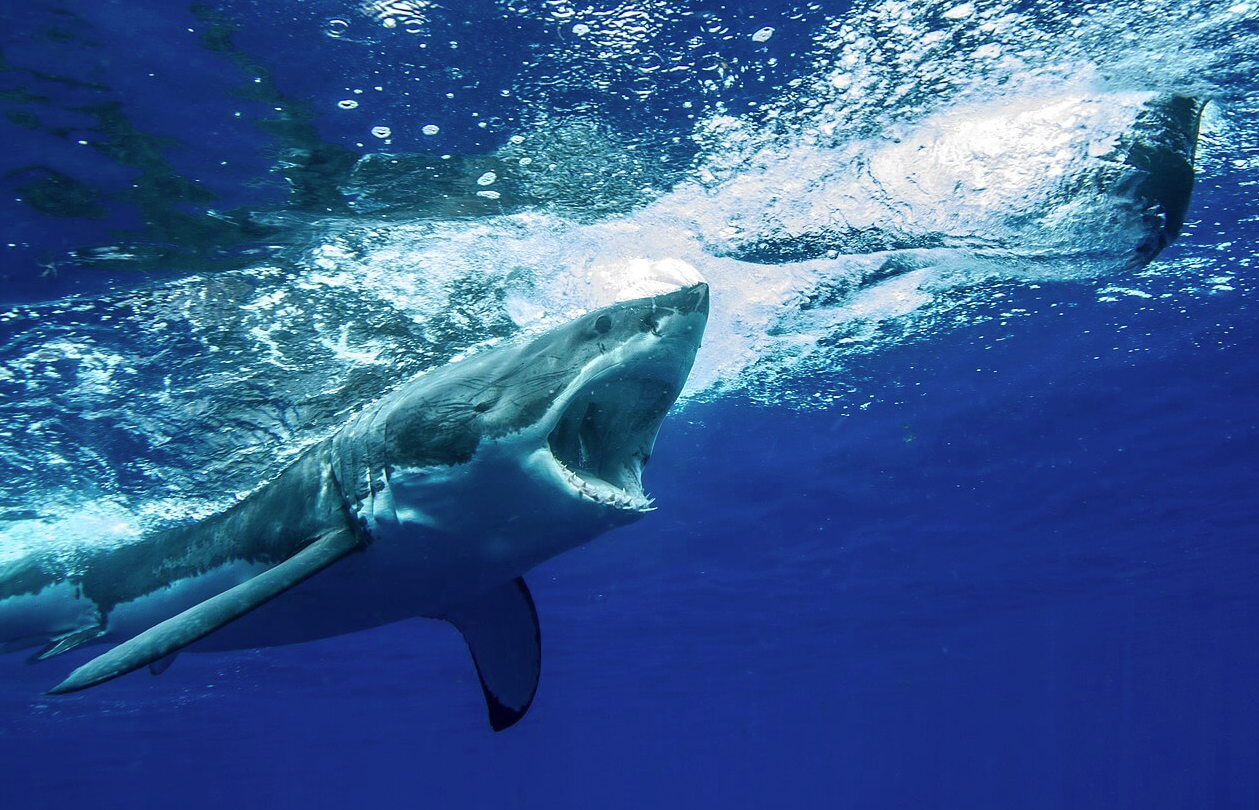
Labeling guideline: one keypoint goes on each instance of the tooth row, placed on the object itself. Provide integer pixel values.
(605, 497)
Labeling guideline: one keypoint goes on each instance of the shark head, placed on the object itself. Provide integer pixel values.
(602, 425)
(558, 428)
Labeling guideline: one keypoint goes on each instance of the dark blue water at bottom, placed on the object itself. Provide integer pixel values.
(1022, 576)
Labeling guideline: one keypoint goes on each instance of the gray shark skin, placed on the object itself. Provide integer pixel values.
(433, 502)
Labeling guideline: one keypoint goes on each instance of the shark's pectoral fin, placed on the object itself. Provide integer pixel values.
(197, 622)
(501, 629)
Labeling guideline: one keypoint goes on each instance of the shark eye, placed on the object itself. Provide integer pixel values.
(482, 407)
(650, 324)
(603, 324)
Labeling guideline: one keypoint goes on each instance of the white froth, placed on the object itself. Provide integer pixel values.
(63, 525)
(962, 130)
(990, 171)
(894, 298)
(639, 277)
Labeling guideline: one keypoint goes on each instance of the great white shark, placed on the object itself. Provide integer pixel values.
(433, 502)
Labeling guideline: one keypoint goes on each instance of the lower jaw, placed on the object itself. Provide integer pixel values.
(630, 505)
(604, 495)
(613, 500)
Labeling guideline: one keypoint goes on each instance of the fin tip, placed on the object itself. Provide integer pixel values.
(503, 717)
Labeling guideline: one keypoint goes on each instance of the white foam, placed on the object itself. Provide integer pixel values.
(641, 277)
(965, 131)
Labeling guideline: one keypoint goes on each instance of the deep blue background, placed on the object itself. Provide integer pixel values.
(1022, 577)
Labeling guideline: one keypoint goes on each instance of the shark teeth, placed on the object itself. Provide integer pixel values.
(605, 494)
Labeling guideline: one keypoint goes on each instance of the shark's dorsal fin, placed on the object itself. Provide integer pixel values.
(197, 622)
(501, 629)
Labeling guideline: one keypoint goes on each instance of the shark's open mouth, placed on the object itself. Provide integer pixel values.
(605, 435)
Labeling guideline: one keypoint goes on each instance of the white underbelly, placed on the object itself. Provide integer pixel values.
(438, 537)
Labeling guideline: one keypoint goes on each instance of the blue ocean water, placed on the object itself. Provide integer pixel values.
(986, 541)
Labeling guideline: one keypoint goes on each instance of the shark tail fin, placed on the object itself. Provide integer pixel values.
(164, 639)
(501, 629)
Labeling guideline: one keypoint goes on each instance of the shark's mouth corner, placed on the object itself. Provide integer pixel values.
(605, 435)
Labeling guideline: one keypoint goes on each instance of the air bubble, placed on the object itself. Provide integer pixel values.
(382, 132)
(347, 104)
(431, 129)
(712, 62)
(487, 179)
(336, 28)
(763, 35)
(650, 63)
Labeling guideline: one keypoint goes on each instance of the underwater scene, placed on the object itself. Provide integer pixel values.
(672, 403)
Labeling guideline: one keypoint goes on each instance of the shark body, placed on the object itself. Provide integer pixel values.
(433, 502)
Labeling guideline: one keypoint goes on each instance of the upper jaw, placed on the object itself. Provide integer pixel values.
(602, 429)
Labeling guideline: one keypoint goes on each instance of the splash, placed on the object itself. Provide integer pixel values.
(932, 151)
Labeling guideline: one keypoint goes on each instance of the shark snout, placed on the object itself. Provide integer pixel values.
(693, 299)
(680, 315)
